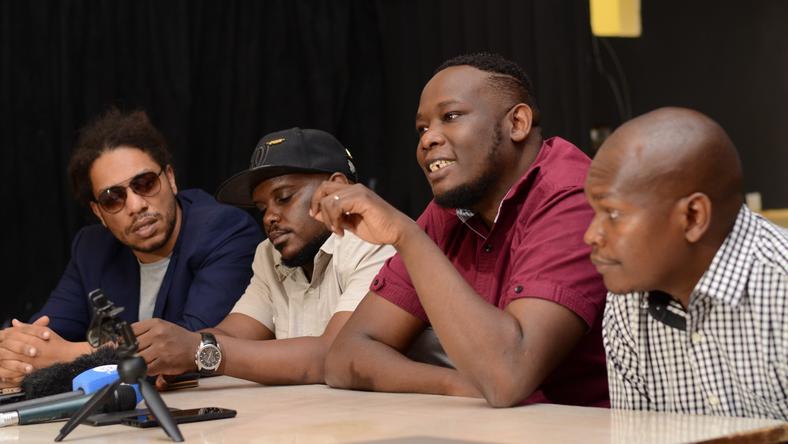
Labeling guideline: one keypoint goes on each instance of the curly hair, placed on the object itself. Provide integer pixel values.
(109, 131)
(506, 76)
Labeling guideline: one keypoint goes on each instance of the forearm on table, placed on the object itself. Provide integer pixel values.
(366, 364)
(274, 362)
(484, 343)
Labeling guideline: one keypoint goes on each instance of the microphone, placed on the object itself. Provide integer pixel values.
(124, 398)
(55, 383)
(58, 378)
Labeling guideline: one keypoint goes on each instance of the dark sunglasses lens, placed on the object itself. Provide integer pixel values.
(112, 199)
(146, 184)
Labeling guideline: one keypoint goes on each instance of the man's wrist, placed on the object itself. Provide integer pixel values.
(72, 350)
(408, 234)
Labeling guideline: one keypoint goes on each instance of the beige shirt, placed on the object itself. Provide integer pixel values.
(282, 299)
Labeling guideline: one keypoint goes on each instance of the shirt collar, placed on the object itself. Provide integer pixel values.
(320, 261)
(726, 277)
(465, 215)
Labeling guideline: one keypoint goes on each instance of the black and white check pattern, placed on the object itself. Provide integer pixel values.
(732, 359)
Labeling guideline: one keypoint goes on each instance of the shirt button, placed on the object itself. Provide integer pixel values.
(697, 338)
(518, 289)
(487, 248)
(375, 282)
(714, 401)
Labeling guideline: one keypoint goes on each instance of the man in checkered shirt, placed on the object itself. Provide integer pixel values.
(697, 315)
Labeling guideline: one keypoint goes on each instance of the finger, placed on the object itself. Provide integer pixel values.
(144, 342)
(7, 375)
(141, 327)
(15, 368)
(30, 346)
(6, 382)
(155, 366)
(8, 354)
(325, 189)
(148, 355)
(43, 321)
(37, 331)
(334, 208)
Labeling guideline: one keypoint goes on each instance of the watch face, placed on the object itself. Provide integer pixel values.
(209, 357)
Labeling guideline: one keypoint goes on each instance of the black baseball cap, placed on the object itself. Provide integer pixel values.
(294, 150)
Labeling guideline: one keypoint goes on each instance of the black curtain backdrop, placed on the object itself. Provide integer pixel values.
(215, 76)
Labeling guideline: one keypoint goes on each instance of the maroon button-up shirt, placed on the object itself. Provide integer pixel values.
(534, 249)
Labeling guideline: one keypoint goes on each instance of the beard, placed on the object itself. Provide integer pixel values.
(468, 194)
(307, 252)
(169, 218)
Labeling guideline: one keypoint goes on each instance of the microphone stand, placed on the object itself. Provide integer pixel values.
(105, 327)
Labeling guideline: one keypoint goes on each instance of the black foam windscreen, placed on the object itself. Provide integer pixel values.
(124, 398)
(57, 378)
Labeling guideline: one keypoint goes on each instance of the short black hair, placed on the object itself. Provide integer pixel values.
(110, 130)
(506, 76)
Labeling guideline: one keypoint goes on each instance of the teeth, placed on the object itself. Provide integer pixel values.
(438, 164)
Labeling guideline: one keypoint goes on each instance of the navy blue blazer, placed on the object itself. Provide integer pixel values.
(209, 269)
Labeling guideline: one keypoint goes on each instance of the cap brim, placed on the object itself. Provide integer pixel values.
(237, 190)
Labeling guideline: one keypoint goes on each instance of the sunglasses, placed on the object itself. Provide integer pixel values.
(113, 199)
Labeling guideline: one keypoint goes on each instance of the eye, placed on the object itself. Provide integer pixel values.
(283, 199)
(613, 214)
(421, 129)
(451, 115)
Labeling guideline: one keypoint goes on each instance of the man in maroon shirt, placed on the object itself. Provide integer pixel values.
(496, 264)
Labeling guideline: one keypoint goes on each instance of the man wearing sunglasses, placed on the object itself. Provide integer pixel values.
(158, 252)
(306, 281)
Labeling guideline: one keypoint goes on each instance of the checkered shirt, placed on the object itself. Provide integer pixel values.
(732, 357)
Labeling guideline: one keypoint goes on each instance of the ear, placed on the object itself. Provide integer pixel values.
(95, 209)
(696, 211)
(338, 177)
(170, 173)
(521, 118)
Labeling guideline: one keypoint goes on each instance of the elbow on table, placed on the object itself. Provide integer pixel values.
(503, 391)
(335, 369)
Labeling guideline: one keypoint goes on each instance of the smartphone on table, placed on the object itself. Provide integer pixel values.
(180, 416)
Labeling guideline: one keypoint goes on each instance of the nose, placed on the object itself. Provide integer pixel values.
(271, 216)
(431, 138)
(594, 235)
(135, 203)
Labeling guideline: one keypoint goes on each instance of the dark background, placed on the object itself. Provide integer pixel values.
(215, 76)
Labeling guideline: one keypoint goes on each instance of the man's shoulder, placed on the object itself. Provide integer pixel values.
(94, 239)
(205, 216)
(560, 165)
(201, 204)
(350, 247)
(624, 308)
(771, 242)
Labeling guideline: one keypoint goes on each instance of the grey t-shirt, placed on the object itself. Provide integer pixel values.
(151, 276)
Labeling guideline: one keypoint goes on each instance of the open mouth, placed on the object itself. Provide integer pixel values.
(436, 165)
(145, 227)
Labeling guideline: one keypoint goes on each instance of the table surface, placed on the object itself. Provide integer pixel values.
(318, 414)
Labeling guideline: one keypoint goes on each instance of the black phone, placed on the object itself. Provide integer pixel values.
(103, 419)
(10, 396)
(180, 416)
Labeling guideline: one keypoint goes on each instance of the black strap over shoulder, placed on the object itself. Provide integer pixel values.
(658, 309)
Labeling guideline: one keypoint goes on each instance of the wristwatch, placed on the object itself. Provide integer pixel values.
(208, 355)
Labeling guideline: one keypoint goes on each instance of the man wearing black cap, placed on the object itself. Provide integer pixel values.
(306, 282)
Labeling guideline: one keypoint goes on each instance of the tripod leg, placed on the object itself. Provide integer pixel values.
(159, 409)
(98, 399)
